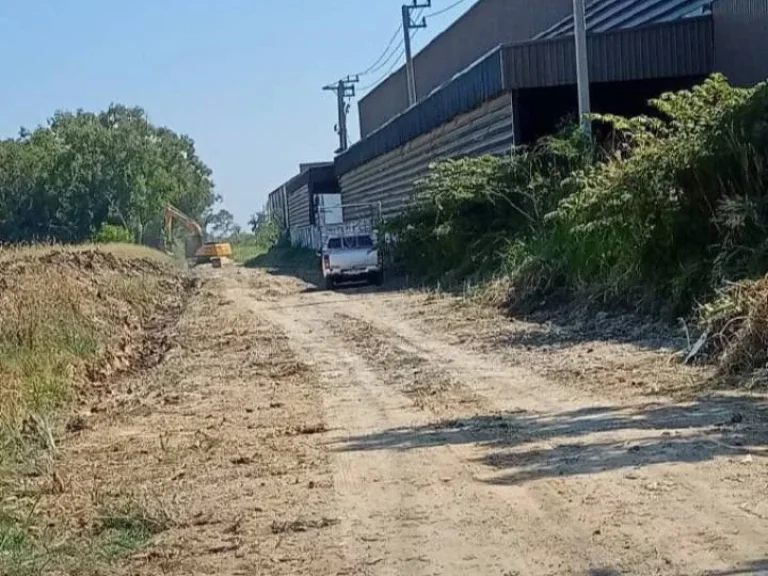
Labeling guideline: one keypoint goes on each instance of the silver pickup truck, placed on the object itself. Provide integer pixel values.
(351, 257)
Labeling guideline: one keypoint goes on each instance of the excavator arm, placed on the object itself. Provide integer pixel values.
(203, 251)
(172, 213)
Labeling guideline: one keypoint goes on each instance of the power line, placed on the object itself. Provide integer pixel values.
(388, 59)
(399, 55)
(378, 64)
(446, 9)
(391, 69)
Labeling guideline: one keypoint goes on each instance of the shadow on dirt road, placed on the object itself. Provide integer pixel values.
(534, 446)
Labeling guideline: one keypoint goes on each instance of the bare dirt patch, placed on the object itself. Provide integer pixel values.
(404, 368)
(224, 436)
(617, 355)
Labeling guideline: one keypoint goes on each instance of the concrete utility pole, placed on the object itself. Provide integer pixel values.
(344, 89)
(582, 64)
(408, 25)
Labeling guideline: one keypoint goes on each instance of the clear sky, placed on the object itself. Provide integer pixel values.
(241, 77)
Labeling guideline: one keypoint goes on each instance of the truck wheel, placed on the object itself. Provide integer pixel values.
(328, 282)
(377, 278)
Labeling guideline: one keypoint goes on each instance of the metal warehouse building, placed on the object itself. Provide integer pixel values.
(505, 74)
(295, 204)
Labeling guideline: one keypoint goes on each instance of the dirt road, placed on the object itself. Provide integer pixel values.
(295, 431)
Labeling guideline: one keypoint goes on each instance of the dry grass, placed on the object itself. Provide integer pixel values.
(737, 323)
(63, 311)
(71, 318)
(131, 251)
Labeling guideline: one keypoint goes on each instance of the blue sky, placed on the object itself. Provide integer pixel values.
(241, 77)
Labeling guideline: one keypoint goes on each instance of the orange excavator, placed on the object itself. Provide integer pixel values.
(196, 248)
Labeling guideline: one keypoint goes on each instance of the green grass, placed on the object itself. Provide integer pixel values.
(285, 258)
(121, 531)
(245, 252)
(26, 549)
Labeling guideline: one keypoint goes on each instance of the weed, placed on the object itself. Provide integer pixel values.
(657, 217)
(121, 530)
(66, 312)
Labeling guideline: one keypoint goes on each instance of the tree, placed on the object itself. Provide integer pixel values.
(221, 224)
(65, 180)
(256, 221)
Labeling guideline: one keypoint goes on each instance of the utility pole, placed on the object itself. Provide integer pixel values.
(344, 89)
(408, 25)
(582, 64)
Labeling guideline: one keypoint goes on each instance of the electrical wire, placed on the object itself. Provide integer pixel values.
(391, 69)
(378, 64)
(447, 8)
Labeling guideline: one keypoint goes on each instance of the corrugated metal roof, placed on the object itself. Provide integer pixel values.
(607, 15)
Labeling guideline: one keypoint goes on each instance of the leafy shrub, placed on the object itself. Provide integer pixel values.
(678, 206)
(657, 217)
(112, 234)
(468, 211)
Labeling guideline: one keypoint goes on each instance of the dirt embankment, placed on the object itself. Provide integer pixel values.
(74, 323)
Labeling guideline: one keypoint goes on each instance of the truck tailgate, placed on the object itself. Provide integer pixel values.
(357, 259)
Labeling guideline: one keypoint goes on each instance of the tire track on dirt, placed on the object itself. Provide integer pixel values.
(652, 465)
(404, 366)
(403, 475)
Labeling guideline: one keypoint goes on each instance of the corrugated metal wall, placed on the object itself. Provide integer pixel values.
(485, 26)
(466, 92)
(276, 206)
(298, 207)
(677, 49)
(390, 177)
(741, 40)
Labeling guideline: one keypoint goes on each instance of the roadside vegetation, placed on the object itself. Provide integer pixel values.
(661, 217)
(72, 319)
(102, 176)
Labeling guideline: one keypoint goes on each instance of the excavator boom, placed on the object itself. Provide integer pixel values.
(202, 251)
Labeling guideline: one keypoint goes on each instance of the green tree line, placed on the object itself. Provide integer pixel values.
(84, 172)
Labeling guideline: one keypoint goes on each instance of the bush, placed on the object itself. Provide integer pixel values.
(658, 216)
(469, 211)
(678, 206)
(112, 234)
(250, 246)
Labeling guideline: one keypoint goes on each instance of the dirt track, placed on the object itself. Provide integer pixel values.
(296, 431)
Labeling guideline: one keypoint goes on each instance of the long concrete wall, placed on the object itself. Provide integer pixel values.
(741, 40)
(390, 178)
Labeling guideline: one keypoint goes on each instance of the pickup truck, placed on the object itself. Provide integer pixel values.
(351, 257)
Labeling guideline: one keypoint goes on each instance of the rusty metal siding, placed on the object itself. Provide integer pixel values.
(488, 24)
(467, 91)
(298, 207)
(390, 178)
(682, 48)
(741, 40)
